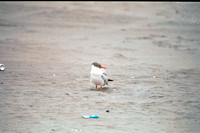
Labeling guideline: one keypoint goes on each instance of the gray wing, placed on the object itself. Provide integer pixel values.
(105, 78)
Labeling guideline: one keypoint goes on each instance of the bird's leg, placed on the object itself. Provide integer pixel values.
(101, 88)
(96, 87)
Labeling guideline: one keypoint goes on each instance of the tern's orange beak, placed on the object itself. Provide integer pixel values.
(102, 67)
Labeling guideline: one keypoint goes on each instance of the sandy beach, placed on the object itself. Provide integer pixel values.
(150, 50)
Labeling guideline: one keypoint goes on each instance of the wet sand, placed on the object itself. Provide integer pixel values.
(151, 51)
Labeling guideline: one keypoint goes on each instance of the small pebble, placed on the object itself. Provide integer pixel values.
(53, 129)
(107, 111)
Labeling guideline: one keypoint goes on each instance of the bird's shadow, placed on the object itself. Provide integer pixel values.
(104, 89)
(98, 89)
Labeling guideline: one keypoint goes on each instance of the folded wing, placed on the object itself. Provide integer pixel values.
(105, 78)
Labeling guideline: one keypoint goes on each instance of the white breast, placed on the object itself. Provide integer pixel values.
(95, 76)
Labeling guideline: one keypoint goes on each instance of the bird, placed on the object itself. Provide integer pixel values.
(98, 75)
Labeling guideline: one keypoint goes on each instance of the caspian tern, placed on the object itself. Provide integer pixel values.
(98, 75)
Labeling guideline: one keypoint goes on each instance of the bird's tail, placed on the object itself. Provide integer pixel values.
(110, 80)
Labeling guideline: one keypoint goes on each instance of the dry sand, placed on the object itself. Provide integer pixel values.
(151, 51)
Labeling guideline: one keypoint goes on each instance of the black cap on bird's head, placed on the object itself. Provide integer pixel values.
(98, 65)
